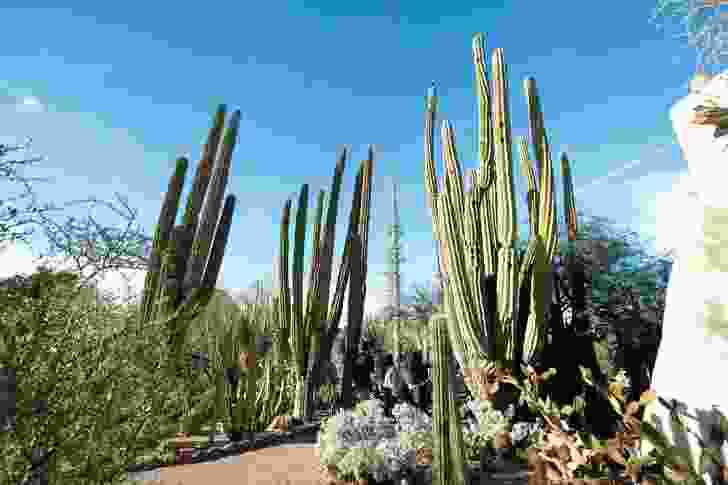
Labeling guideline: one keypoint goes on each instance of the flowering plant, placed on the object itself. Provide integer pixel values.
(370, 407)
(414, 427)
(490, 423)
(365, 441)
(525, 434)
(347, 430)
(490, 420)
(359, 461)
(396, 458)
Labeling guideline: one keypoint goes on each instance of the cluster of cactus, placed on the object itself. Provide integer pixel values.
(497, 299)
(237, 338)
(185, 259)
(277, 382)
(307, 334)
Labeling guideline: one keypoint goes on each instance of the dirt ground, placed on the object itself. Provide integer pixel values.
(280, 465)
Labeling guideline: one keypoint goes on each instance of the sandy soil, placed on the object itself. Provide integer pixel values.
(280, 465)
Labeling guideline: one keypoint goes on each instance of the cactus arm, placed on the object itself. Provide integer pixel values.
(448, 464)
(345, 269)
(531, 280)
(368, 171)
(535, 124)
(202, 175)
(169, 285)
(485, 145)
(355, 317)
(507, 230)
(200, 183)
(528, 172)
(161, 237)
(569, 202)
(430, 175)
(327, 251)
(212, 269)
(547, 213)
(211, 208)
(325, 265)
(284, 299)
(297, 323)
(314, 291)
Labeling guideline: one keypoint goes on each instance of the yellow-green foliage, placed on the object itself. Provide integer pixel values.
(413, 335)
(602, 354)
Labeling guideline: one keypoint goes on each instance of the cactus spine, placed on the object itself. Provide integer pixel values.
(476, 229)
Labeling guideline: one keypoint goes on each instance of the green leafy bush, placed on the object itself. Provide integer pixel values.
(99, 378)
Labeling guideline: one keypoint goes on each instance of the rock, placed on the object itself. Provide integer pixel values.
(694, 343)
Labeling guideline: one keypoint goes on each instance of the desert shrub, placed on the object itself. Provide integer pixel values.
(92, 387)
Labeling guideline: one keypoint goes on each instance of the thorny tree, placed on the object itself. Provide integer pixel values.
(91, 248)
(702, 22)
(625, 304)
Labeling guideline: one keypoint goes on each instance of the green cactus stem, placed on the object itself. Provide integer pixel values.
(476, 229)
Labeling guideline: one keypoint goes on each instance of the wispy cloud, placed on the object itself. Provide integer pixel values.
(610, 175)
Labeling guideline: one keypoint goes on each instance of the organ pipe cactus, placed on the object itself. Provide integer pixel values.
(311, 333)
(357, 241)
(476, 230)
(185, 259)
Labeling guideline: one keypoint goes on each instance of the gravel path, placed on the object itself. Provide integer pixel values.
(300, 440)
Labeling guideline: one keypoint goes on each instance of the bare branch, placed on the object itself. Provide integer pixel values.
(700, 22)
(92, 249)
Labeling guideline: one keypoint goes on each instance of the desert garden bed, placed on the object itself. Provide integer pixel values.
(186, 450)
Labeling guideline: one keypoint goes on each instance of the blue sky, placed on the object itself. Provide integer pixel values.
(113, 93)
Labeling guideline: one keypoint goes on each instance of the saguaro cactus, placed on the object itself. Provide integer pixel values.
(476, 230)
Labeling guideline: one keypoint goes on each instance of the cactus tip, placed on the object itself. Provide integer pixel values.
(432, 90)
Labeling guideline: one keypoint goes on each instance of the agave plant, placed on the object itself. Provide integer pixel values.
(240, 366)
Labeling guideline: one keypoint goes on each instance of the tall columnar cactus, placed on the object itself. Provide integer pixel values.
(575, 269)
(449, 461)
(312, 328)
(357, 240)
(185, 260)
(195, 249)
(477, 230)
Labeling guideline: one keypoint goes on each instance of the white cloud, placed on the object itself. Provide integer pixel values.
(19, 259)
(30, 104)
(614, 173)
(15, 259)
